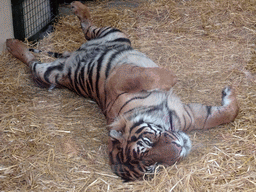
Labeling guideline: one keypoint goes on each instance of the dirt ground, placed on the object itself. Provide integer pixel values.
(54, 140)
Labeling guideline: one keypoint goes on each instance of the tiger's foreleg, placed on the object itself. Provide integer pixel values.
(90, 31)
(200, 116)
(44, 74)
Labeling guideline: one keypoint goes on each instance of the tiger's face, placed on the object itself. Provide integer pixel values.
(137, 148)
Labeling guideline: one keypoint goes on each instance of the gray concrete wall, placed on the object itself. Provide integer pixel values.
(6, 26)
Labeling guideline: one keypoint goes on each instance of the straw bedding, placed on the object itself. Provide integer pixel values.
(54, 140)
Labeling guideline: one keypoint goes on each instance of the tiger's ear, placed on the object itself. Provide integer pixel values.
(117, 129)
(116, 135)
(118, 124)
(115, 141)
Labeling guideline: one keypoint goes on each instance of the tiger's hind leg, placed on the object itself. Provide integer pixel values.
(91, 31)
(44, 74)
(19, 50)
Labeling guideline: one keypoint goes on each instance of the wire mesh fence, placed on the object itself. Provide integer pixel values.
(32, 17)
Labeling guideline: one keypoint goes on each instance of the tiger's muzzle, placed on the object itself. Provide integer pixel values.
(171, 147)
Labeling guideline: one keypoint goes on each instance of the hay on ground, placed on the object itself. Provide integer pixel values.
(54, 140)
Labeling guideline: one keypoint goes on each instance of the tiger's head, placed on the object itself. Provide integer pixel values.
(136, 148)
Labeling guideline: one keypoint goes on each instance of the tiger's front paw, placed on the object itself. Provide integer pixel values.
(228, 94)
(80, 10)
(229, 100)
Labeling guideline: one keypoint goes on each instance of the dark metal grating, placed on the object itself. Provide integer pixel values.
(31, 17)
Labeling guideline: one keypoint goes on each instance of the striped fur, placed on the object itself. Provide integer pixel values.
(146, 121)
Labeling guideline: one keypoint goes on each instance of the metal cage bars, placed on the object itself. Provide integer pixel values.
(31, 17)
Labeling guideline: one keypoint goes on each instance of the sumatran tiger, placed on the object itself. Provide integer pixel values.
(147, 123)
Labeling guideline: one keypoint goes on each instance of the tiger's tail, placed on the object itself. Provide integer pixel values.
(50, 53)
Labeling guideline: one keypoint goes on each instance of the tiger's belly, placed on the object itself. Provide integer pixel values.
(91, 65)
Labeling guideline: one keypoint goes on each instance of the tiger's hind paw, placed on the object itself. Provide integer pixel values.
(80, 10)
(19, 50)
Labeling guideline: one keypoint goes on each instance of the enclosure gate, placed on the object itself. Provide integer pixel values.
(32, 17)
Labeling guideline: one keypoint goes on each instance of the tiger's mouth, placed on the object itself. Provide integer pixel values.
(184, 142)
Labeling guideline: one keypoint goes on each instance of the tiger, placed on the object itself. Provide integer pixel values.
(147, 123)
